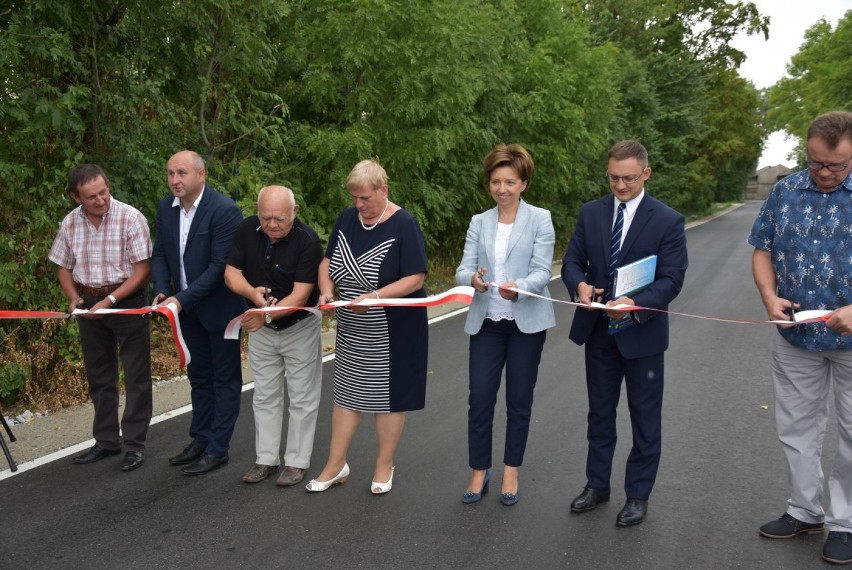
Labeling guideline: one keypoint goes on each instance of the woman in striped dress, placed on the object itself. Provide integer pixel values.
(375, 251)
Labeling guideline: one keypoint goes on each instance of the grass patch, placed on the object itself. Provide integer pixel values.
(710, 211)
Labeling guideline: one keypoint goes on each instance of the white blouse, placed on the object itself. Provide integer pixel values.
(500, 309)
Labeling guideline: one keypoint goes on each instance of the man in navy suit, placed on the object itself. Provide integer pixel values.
(631, 351)
(195, 229)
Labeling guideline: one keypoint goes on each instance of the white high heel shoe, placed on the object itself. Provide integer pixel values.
(381, 488)
(315, 486)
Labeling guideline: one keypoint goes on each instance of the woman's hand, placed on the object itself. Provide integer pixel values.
(362, 309)
(504, 290)
(325, 299)
(477, 282)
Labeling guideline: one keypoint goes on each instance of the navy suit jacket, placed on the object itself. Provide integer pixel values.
(656, 229)
(209, 240)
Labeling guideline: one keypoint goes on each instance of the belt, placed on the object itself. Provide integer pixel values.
(98, 291)
(288, 321)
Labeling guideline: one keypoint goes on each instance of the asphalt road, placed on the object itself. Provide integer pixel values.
(722, 473)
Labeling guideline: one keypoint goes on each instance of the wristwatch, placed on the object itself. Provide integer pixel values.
(267, 317)
(112, 299)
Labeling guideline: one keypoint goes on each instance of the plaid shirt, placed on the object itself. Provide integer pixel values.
(102, 256)
(809, 235)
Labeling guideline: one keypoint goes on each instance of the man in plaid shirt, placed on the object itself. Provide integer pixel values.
(103, 250)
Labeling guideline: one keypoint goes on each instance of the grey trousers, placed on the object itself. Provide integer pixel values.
(804, 381)
(290, 359)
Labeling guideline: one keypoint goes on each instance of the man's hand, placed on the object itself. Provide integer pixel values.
(841, 320)
(260, 297)
(779, 309)
(253, 321)
(102, 304)
(75, 304)
(615, 315)
(587, 294)
(161, 300)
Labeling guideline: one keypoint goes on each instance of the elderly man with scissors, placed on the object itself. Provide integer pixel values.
(274, 261)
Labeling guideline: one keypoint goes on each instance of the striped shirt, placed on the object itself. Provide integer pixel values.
(101, 256)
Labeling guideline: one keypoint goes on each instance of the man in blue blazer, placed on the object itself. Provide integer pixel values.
(633, 352)
(195, 228)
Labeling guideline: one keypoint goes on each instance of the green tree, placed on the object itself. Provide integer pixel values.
(733, 143)
(399, 81)
(297, 92)
(818, 82)
(676, 53)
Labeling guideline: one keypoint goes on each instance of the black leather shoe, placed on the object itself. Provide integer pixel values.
(588, 500)
(206, 464)
(189, 454)
(96, 453)
(633, 512)
(132, 460)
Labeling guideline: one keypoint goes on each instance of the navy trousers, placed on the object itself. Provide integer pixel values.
(216, 381)
(605, 369)
(500, 344)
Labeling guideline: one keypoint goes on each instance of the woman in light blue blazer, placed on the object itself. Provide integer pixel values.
(510, 245)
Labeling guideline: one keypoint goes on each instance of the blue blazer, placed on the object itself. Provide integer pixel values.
(528, 261)
(210, 237)
(656, 229)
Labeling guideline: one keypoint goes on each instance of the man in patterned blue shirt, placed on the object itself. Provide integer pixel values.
(803, 260)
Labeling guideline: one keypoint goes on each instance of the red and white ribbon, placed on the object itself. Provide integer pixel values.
(802, 317)
(460, 294)
(170, 312)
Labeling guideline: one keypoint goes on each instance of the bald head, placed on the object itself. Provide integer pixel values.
(276, 209)
(276, 193)
(187, 176)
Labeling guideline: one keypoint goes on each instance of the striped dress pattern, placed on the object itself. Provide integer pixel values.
(362, 361)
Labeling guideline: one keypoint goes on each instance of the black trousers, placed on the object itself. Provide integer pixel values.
(105, 341)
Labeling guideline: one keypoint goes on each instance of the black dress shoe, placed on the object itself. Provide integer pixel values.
(189, 454)
(96, 453)
(206, 464)
(132, 460)
(588, 500)
(633, 512)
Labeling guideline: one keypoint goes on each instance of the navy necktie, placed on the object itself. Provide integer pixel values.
(615, 245)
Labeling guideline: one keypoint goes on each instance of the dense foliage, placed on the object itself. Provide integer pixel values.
(297, 91)
(819, 80)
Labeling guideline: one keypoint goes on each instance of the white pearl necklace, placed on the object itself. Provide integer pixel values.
(371, 228)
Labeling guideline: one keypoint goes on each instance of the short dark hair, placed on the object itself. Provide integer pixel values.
(512, 155)
(83, 174)
(832, 128)
(623, 150)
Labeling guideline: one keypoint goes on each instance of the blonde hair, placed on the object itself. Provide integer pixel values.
(367, 173)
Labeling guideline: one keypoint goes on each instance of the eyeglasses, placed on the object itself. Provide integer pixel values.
(613, 179)
(816, 166)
